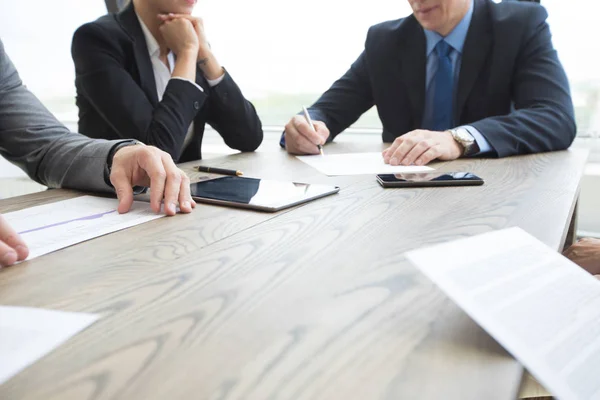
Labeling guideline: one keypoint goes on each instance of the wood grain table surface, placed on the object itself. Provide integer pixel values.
(313, 302)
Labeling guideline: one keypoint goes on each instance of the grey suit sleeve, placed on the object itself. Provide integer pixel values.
(32, 139)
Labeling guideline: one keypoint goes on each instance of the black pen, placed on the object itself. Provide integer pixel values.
(222, 171)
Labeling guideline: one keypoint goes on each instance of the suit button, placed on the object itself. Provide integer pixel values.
(196, 105)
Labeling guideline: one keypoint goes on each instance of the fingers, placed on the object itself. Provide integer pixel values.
(569, 251)
(588, 241)
(417, 151)
(196, 23)
(120, 178)
(186, 203)
(8, 255)
(168, 16)
(136, 165)
(574, 251)
(171, 17)
(301, 139)
(172, 185)
(156, 172)
(12, 247)
(295, 143)
(309, 132)
(400, 149)
(418, 147)
(431, 154)
(387, 153)
(322, 131)
(177, 22)
(422, 153)
(126, 165)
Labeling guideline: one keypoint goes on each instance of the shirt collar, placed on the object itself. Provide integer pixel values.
(153, 47)
(456, 38)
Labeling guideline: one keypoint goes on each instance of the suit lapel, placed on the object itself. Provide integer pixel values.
(130, 23)
(475, 52)
(413, 66)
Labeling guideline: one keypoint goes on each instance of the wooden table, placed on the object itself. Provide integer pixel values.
(315, 302)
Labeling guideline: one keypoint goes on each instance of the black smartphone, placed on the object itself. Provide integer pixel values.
(427, 179)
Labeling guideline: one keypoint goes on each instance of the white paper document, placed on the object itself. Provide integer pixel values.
(58, 225)
(356, 164)
(541, 307)
(28, 334)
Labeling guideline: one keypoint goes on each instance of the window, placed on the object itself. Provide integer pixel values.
(285, 57)
(574, 28)
(285, 54)
(282, 55)
(37, 36)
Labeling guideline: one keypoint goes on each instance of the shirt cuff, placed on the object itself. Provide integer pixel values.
(482, 143)
(215, 82)
(109, 158)
(282, 140)
(187, 80)
(109, 161)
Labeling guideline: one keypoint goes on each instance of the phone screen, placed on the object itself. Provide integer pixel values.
(429, 179)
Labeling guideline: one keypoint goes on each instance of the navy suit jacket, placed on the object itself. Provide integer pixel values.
(511, 87)
(117, 97)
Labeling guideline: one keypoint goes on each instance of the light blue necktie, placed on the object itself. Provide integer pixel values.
(442, 100)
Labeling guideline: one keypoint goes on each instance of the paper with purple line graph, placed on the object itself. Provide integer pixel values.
(58, 225)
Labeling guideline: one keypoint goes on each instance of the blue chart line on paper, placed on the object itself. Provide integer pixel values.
(88, 218)
(54, 226)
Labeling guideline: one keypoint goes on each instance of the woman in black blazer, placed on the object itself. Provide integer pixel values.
(148, 73)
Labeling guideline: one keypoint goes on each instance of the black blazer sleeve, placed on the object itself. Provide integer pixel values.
(543, 117)
(104, 81)
(233, 116)
(347, 99)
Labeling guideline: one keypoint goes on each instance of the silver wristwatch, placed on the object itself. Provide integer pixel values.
(466, 140)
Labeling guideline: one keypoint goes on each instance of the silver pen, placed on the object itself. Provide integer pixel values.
(307, 117)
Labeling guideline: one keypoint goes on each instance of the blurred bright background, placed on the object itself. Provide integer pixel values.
(284, 54)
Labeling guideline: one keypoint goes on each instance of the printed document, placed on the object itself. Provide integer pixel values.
(54, 226)
(541, 307)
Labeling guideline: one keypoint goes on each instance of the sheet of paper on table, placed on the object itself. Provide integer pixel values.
(54, 226)
(357, 164)
(28, 334)
(541, 307)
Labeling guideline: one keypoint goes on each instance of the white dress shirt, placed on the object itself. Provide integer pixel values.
(162, 73)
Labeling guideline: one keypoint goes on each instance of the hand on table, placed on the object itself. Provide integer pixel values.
(12, 247)
(141, 165)
(420, 147)
(586, 254)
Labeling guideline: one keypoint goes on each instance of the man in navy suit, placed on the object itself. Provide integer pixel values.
(456, 78)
